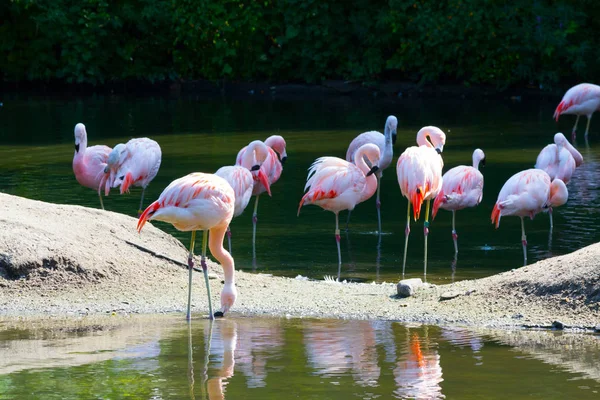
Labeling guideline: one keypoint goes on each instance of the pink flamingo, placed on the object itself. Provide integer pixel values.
(89, 162)
(335, 184)
(582, 99)
(242, 177)
(419, 171)
(135, 163)
(273, 167)
(462, 187)
(385, 143)
(206, 202)
(527, 193)
(559, 160)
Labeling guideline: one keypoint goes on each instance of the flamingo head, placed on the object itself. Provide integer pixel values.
(80, 136)
(259, 175)
(432, 136)
(114, 157)
(277, 143)
(560, 139)
(478, 158)
(391, 125)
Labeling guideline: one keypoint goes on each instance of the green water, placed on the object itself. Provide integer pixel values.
(200, 134)
(254, 358)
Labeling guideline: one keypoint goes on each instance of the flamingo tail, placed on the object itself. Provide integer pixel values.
(127, 182)
(144, 217)
(417, 201)
(496, 216)
(302, 203)
(562, 107)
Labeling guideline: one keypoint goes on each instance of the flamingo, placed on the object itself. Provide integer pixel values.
(135, 163)
(385, 143)
(462, 187)
(242, 177)
(419, 171)
(527, 193)
(582, 99)
(89, 162)
(559, 160)
(206, 202)
(335, 184)
(273, 167)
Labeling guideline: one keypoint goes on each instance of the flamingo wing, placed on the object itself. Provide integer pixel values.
(462, 187)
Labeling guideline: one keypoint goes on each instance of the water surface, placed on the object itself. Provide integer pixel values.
(200, 134)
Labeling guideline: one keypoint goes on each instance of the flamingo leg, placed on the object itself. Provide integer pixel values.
(524, 241)
(574, 133)
(454, 234)
(188, 315)
(254, 221)
(426, 233)
(348, 220)
(378, 204)
(229, 239)
(587, 128)
(551, 222)
(337, 240)
(406, 233)
(140, 209)
(101, 203)
(205, 271)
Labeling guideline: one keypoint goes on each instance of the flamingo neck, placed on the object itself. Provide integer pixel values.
(248, 159)
(423, 138)
(215, 244)
(371, 181)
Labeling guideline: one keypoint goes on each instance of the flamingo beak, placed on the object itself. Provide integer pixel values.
(483, 162)
(394, 138)
(77, 147)
(262, 178)
(374, 169)
(255, 167)
(439, 151)
(283, 160)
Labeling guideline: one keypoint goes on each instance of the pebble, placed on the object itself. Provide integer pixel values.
(558, 325)
(407, 287)
(449, 295)
(597, 328)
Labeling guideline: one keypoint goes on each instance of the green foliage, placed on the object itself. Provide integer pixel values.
(495, 42)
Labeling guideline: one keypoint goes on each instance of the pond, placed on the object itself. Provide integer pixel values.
(163, 357)
(203, 134)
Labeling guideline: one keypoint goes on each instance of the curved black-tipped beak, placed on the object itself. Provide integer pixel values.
(106, 169)
(394, 138)
(439, 151)
(255, 167)
(482, 162)
(283, 160)
(77, 148)
(374, 169)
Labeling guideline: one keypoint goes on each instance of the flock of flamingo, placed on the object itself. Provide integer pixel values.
(208, 202)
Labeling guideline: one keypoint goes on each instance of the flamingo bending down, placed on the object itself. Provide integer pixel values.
(527, 193)
(462, 187)
(200, 201)
(273, 167)
(559, 160)
(134, 163)
(419, 171)
(385, 143)
(242, 177)
(335, 184)
(582, 99)
(89, 162)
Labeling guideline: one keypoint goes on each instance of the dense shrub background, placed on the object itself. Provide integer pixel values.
(495, 42)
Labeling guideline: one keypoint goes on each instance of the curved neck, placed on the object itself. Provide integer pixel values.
(248, 159)
(575, 153)
(215, 244)
(476, 163)
(359, 158)
(422, 138)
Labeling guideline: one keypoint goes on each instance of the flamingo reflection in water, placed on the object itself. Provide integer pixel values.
(419, 375)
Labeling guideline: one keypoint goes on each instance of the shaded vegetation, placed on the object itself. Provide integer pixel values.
(492, 42)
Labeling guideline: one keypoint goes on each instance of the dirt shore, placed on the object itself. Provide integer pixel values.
(59, 260)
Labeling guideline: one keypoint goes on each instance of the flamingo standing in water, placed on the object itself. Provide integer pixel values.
(200, 201)
(582, 99)
(273, 167)
(135, 163)
(559, 160)
(419, 171)
(385, 143)
(462, 187)
(89, 162)
(335, 184)
(527, 193)
(242, 177)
